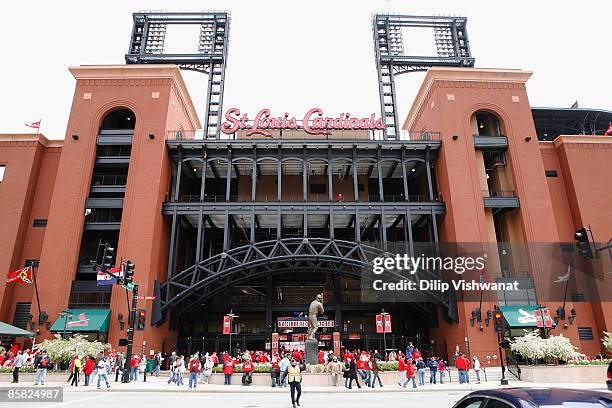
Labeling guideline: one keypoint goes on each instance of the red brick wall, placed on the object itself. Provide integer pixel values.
(25, 194)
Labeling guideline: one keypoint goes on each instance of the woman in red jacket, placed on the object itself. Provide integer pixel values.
(228, 370)
(88, 369)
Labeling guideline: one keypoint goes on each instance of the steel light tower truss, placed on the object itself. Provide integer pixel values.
(392, 59)
(147, 46)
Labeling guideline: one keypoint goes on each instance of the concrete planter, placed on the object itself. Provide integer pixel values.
(564, 373)
(308, 379)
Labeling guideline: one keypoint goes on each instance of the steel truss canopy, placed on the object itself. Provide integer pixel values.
(190, 287)
(452, 46)
(148, 46)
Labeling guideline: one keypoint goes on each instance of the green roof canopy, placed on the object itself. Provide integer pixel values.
(12, 331)
(521, 316)
(83, 320)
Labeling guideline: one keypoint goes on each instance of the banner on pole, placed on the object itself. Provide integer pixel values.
(227, 324)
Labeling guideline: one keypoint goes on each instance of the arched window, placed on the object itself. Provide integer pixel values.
(485, 123)
(119, 119)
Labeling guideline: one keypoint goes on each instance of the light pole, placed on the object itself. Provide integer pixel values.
(383, 314)
(65, 314)
(231, 316)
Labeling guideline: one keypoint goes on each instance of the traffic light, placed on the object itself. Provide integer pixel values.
(141, 319)
(498, 321)
(129, 271)
(583, 244)
(107, 257)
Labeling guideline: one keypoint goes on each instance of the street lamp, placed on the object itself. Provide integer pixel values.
(65, 314)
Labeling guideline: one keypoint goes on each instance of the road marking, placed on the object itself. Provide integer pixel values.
(61, 404)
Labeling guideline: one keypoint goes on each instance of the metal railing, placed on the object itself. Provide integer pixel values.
(499, 193)
(299, 198)
(108, 180)
(103, 215)
(513, 365)
(300, 134)
(479, 135)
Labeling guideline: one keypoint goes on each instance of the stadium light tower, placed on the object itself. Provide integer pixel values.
(452, 46)
(148, 46)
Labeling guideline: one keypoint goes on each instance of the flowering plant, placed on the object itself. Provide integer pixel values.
(555, 348)
(62, 350)
(607, 341)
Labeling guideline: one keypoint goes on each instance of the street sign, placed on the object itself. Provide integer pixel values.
(146, 297)
(129, 286)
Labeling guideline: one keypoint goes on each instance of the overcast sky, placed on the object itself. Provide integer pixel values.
(294, 55)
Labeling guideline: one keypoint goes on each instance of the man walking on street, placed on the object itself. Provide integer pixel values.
(41, 364)
(375, 371)
(103, 371)
(194, 370)
(158, 361)
(134, 363)
(119, 363)
(18, 362)
(294, 373)
(284, 365)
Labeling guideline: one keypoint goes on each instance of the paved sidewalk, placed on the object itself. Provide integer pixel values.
(160, 384)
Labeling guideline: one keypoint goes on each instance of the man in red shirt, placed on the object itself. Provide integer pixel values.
(297, 356)
(247, 372)
(321, 357)
(194, 370)
(228, 370)
(134, 362)
(463, 365)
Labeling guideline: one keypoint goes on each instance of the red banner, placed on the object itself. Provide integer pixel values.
(388, 323)
(354, 336)
(379, 323)
(325, 337)
(538, 315)
(227, 324)
(547, 318)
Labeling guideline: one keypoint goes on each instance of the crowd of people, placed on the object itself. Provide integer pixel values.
(355, 367)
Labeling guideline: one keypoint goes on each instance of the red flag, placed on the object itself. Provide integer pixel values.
(609, 131)
(35, 125)
(22, 275)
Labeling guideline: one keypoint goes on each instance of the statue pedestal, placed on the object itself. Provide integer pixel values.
(311, 351)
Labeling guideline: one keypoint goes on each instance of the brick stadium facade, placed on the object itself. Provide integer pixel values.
(130, 172)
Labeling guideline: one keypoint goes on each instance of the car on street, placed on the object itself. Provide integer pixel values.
(609, 380)
(535, 398)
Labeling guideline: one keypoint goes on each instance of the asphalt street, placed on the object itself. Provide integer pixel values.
(106, 399)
